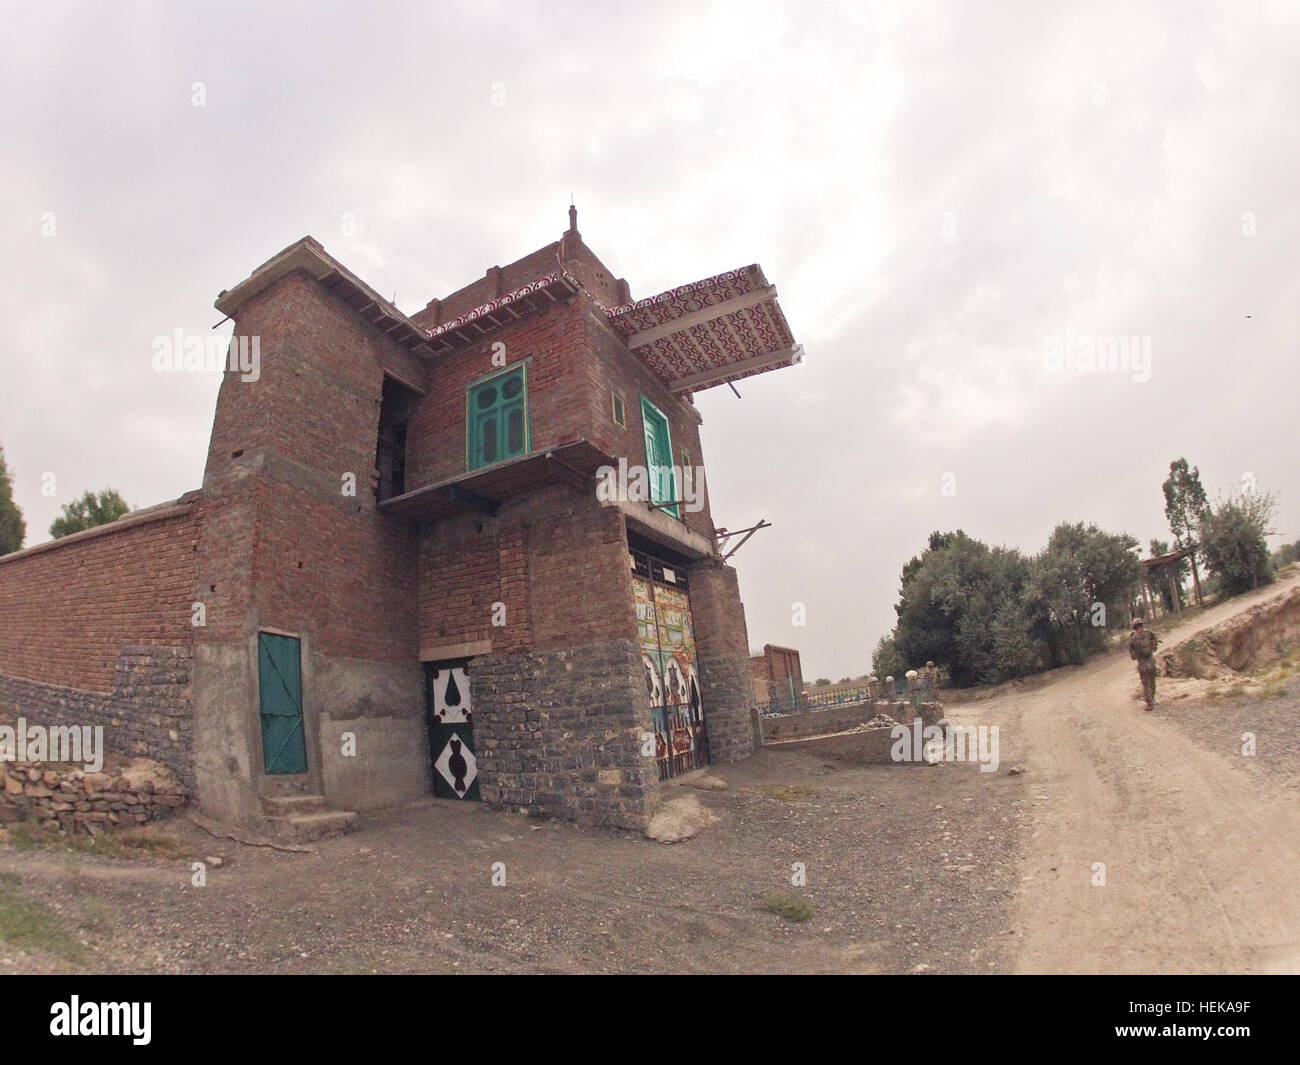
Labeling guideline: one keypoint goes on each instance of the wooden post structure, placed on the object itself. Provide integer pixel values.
(1173, 588)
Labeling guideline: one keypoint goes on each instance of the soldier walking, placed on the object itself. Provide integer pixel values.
(1142, 648)
(930, 676)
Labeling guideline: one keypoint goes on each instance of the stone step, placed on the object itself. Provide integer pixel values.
(285, 805)
(305, 827)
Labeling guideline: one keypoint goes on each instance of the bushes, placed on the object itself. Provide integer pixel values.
(1233, 542)
(988, 614)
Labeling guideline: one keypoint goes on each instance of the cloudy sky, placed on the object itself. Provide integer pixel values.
(946, 195)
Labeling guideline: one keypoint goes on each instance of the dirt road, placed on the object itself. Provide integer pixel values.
(1201, 860)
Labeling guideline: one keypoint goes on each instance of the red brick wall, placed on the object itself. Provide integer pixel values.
(575, 360)
(579, 260)
(782, 663)
(580, 576)
(555, 558)
(67, 611)
(596, 277)
(344, 574)
(461, 576)
(225, 563)
(558, 404)
(317, 397)
(758, 672)
(322, 560)
(612, 366)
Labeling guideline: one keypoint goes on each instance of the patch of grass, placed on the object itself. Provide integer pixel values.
(131, 843)
(33, 926)
(97, 916)
(29, 836)
(787, 905)
(124, 843)
(789, 792)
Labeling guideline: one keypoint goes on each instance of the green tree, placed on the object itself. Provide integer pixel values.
(13, 527)
(987, 614)
(1185, 501)
(885, 659)
(961, 606)
(1085, 578)
(1234, 544)
(93, 508)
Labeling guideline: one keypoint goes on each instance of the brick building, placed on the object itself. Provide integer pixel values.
(408, 568)
(777, 676)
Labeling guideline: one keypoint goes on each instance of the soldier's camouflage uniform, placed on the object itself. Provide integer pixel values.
(1142, 648)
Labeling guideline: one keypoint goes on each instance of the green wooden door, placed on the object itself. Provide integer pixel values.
(659, 456)
(279, 680)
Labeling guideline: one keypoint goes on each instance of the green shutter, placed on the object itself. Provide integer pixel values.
(659, 456)
(498, 418)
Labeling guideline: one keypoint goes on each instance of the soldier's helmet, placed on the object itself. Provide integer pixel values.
(929, 665)
(1137, 623)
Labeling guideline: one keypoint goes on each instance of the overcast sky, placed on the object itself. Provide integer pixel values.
(943, 193)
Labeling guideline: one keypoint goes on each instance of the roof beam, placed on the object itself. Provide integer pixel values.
(706, 314)
(459, 494)
(708, 378)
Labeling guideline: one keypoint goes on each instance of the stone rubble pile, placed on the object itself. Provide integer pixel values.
(56, 795)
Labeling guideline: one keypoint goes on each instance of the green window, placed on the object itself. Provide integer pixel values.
(659, 456)
(498, 418)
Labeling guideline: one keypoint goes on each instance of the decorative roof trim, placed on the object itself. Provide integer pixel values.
(710, 332)
(772, 360)
(308, 256)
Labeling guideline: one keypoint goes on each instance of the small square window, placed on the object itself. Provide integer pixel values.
(620, 413)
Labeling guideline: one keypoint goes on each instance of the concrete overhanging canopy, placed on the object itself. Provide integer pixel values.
(309, 257)
(710, 332)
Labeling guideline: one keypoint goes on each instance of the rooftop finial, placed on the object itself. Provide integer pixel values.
(573, 219)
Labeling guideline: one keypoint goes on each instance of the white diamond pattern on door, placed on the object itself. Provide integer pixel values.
(451, 729)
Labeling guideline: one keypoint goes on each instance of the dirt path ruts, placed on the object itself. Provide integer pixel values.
(1202, 864)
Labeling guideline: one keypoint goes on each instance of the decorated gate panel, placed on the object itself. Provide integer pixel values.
(451, 729)
(671, 670)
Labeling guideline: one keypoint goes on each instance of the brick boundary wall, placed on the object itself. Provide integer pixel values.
(95, 629)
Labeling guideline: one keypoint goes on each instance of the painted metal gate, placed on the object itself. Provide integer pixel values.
(672, 681)
(451, 729)
(279, 686)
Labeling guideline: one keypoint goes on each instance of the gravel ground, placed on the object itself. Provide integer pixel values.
(1219, 725)
(909, 869)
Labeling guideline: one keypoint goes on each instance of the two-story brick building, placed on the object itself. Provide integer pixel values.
(417, 565)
